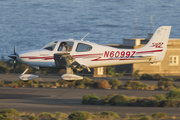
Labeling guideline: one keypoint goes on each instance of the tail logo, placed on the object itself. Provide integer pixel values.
(159, 32)
(157, 45)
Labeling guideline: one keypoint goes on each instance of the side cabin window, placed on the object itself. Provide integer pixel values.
(50, 46)
(83, 47)
(66, 46)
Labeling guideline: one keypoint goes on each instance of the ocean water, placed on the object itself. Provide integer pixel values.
(30, 24)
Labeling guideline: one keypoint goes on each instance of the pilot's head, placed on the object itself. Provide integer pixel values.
(65, 44)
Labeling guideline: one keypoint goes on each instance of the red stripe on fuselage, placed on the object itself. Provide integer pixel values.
(98, 59)
(87, 55)
(33, 57)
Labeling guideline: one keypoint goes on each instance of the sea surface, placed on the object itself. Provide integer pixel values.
(31, 24)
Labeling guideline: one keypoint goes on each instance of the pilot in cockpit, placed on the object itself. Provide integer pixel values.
(63, 46)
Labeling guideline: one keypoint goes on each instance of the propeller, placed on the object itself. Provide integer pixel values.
(13, 56)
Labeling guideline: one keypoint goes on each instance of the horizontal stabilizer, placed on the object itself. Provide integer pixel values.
(151, 58)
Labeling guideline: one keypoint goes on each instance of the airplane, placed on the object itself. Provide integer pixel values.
(79, 54)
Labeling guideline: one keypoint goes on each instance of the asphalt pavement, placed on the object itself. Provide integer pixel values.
(68, 100)
(36, 100)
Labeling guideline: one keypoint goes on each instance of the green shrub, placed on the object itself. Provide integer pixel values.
(107, 115)
(88, 98)
(157, 77)
(174, 94)
(110, 71)
(160, 97)
(135, 85)
(86, 81)
(32, 117)
(60, 115)
(115, 82)
(48, 84)
(93, 101)
(1, 117)
(81, 86)
(7, 118)
(2, 69)
(120, 74)
(132, 119)
(119, 98)
(44, 115)
(145, 118)
(101, 84)
(2, 83)
(27, 83)
(170, 87)
(42, 85)
(146, 77)
(115, 87)
(128, 88)
(140, 115)
(177, 78)
(71, 83)
(105, 99)
(62, 82)
(164, 83)
(136, 73)
(171, 103)
(152, 87)
(167, 79)
(147, 102)
(80, 115)
(159, 115)
(9, 112)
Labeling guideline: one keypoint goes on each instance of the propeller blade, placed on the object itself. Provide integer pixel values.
(14, 50)
(14, 66)
(13, 56)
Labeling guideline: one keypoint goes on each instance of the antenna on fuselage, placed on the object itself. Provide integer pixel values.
(84, 36)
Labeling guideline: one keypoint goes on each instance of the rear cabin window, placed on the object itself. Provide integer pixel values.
(83, 47)
(66, 46)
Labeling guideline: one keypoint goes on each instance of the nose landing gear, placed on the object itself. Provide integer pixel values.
(26, 77)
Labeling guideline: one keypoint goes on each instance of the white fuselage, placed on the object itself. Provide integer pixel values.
(94, 55)
(98, 56)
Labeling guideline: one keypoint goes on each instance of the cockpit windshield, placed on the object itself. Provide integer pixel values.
(50, 46)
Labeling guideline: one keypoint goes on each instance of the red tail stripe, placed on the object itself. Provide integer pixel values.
(150, 51)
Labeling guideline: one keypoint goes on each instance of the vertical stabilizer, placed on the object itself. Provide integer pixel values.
(158, 42)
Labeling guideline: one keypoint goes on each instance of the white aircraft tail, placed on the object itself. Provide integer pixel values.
(158, 43)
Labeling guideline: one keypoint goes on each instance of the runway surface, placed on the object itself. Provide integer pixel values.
(54, 78)
(67, 100)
